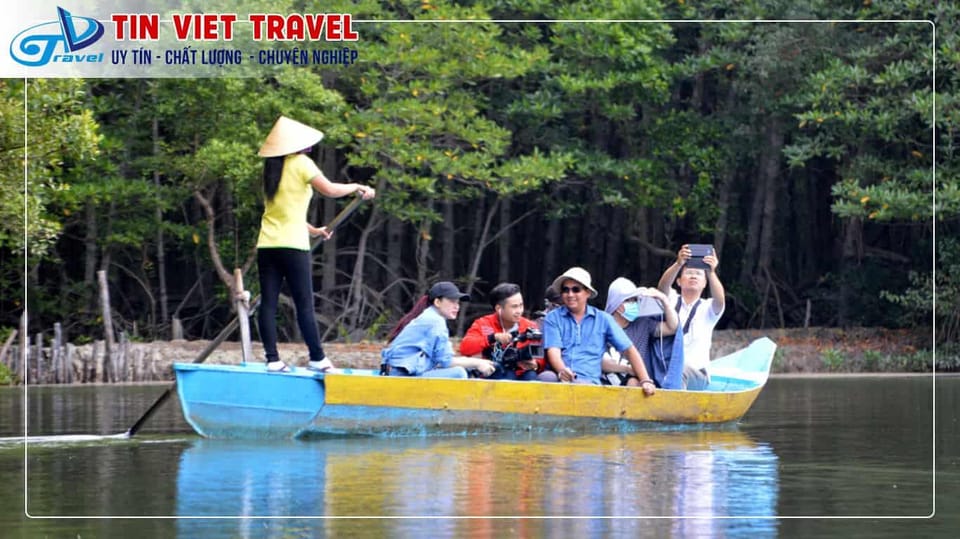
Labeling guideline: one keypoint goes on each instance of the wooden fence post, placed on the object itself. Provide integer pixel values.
(69, 364)
(56, 358)
(24, 351)
(110, 342)
(38, 371)
(121, 372)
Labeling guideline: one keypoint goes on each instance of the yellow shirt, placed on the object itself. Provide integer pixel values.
(284, 221)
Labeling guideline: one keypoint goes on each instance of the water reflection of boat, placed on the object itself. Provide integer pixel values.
(696, 475)
(222, 401)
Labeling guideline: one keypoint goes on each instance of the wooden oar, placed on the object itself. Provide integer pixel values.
(222, 336)
(344, 213)
(233, 325)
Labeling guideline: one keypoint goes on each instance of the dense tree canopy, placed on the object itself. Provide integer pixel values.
(805, 152)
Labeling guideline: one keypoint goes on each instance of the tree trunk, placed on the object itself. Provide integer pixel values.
(356, 300)
(851, 253)
(395, 241)
(613, 265)
(423, 249)
(328, 279)
(504, 267)
(158, 215)
(448, 244)
(480, 246)
(553, 245)
(771, 173)
(723, 209)
(90, 253)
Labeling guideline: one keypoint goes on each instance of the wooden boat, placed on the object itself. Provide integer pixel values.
(247, 402)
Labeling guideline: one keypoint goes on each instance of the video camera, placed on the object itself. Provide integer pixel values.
(514, 354)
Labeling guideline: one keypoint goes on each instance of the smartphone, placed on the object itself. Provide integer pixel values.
(700, 250)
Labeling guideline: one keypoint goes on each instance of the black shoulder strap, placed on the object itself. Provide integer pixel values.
(693, 311)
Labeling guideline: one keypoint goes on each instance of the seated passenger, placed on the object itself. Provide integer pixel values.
(696, 316)
(420, 344)
(622, 303)
(576, 336)
(502, 336)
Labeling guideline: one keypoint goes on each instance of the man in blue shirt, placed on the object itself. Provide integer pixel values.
(576, 335)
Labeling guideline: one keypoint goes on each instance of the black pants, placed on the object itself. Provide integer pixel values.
(276, 265)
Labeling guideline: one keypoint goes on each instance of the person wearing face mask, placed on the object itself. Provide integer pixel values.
(494, 336)
(623, 304)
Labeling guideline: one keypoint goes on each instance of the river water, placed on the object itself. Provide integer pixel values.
(824, 456)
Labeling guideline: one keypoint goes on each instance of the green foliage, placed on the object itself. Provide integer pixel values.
(833, 359)
(664, 124)
(918, 300)
(948, 357)
(419, 121)
(7, 378)
(62, 134)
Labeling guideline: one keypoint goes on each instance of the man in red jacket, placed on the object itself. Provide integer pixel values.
(503, 337)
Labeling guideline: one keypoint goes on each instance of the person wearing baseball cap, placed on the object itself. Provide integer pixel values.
(420, 344)
(283, 246)
(576, 335)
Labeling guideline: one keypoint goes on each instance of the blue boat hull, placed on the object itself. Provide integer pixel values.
(248, 402)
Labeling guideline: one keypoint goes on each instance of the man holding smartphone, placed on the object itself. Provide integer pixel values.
(695, 269)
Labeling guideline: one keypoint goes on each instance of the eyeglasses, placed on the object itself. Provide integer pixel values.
(569, 289)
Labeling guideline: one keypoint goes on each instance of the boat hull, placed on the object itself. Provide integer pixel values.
(249, 402)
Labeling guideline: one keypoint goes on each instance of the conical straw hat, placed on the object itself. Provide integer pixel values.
(287, 137)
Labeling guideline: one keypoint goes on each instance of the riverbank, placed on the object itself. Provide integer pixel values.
(813, 350)
(799, 351)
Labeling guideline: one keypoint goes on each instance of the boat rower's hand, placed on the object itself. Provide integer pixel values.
(649, 388)
(319, 231)
(566, 375)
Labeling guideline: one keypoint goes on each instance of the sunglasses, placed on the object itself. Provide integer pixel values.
(568, 289)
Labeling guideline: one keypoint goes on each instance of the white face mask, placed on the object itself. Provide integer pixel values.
(631, 311)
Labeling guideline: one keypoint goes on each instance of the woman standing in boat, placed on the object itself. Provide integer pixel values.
(420, 344)
(283, 247)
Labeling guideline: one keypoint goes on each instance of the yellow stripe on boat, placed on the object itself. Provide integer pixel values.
(575, 400)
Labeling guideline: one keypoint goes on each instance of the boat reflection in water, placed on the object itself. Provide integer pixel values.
(676, 475)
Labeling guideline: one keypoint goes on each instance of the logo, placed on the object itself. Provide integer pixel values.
(38, 45)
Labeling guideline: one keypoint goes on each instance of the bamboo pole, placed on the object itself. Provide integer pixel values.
(243, 315)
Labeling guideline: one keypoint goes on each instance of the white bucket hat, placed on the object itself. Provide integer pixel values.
(287, 137)
(578, 274)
